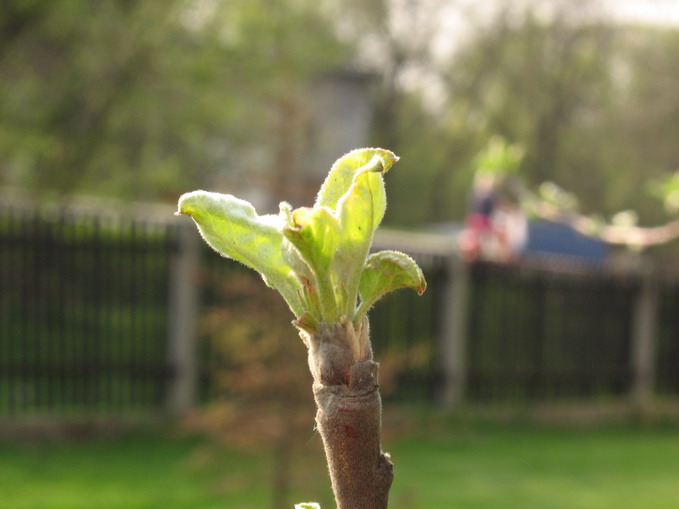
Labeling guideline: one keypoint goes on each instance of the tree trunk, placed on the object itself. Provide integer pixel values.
(349, 415)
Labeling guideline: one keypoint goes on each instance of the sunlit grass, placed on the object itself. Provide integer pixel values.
(138, 472)
(451, 466)
(538, 468)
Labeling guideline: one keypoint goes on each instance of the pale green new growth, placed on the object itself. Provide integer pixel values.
(317, 258)
(232, 227)
(343, 171)
(384, 272)
(307, 505)
(316, 235)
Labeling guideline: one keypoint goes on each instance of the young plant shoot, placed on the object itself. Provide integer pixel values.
(319, 260)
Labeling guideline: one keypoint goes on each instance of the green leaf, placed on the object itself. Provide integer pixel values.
(499, 158)
(301, 268)
(232, 228)
(384, 272)
(315, 232)
(317, 258)
(342, 173)
(307, 505)
(667, 189)
(310, 297)
(360, 211)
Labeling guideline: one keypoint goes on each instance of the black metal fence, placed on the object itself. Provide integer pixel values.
(544, 334)
(83, 311)
(85, 303)
(667, 369)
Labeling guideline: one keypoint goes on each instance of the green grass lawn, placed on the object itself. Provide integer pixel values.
(541, 469)
(455, 466)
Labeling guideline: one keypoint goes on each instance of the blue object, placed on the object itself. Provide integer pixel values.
(549, 238)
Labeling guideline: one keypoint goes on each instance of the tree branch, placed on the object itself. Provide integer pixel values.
(349, 415)
(634, 236)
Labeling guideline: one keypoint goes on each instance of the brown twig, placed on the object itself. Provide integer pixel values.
(349, 415)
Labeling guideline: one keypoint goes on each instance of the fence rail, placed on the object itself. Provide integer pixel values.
(100, 311)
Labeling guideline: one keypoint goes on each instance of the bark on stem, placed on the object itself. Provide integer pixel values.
(349, 415)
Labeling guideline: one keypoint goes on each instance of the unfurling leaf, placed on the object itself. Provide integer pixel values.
(317, 258)
(307, 505)
(360, 211)
(344, 170)
(233, 228)
(384, 272)
(315, 232)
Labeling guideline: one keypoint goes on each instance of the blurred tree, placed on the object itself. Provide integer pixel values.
(591, 101)
(638, 134)
(528, 76)
(395, 38)
(139, 98)
(263, 400)
(532, 79)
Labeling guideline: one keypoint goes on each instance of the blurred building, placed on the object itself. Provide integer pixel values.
(333, 117)
(341, 108)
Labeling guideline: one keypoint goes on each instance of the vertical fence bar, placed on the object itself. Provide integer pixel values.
(5, 309)
(644, 339)
(183, 310)
(25, 262)
(132, 262)
(142, 309)
(163, 252)
(453, 342)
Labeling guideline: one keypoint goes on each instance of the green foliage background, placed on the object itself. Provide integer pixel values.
(141, 99)
(145, 99)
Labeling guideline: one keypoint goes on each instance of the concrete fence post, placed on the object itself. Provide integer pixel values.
(453, 343)
(644, 339)
(183, 312)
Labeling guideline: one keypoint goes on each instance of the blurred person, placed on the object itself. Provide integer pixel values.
(477, 238)
(495, 228)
